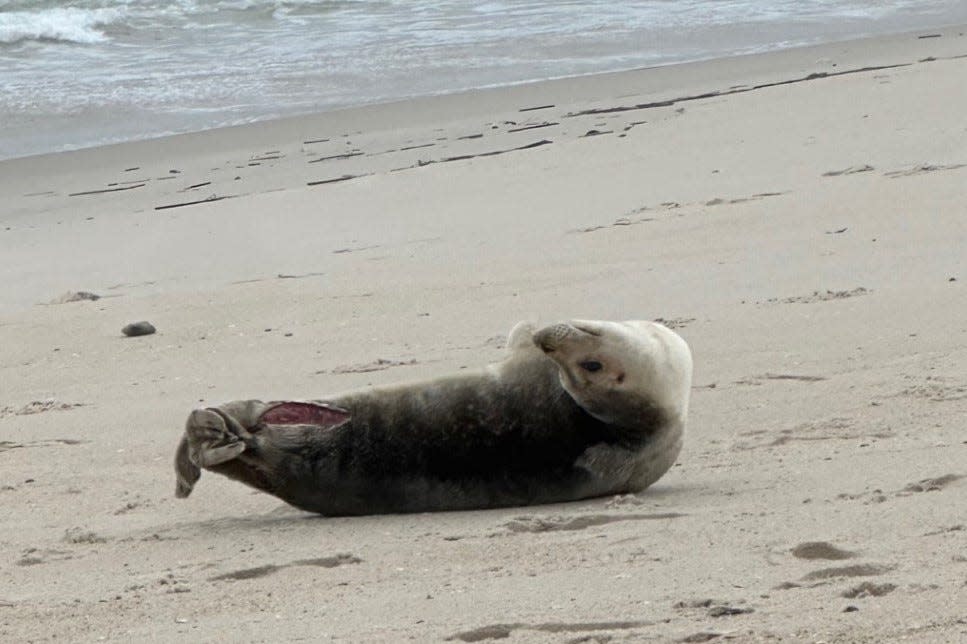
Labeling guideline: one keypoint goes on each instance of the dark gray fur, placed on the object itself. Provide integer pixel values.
(474, 441)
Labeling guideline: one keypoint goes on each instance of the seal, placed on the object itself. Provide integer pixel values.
(575, 410)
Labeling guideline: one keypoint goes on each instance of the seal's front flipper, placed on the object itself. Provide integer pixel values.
(521, 337)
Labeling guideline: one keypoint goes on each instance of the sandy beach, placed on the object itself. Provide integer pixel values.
(799, 217)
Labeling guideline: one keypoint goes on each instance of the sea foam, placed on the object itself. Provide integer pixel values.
(68, 24)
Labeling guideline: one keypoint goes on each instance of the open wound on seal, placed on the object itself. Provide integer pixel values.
(302, 413)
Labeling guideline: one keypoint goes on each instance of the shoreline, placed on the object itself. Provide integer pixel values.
(362, 144)
(771, 60)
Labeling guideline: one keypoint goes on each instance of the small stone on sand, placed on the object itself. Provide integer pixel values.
(138, 328)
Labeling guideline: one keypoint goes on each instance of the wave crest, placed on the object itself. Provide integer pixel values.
(68, 24)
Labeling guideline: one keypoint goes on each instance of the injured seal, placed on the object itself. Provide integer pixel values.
(576, 410)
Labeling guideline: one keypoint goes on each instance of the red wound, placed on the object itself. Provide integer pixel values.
(301, 413)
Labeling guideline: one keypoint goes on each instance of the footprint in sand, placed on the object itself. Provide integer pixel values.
(675, 323)
(935, 389)
(552, 524)
(37, 556)
(713, 608)
(818, 296)
(868, 589)
(7, 445)
(930, 485)
(341, 559)
(503, 631)
(858, 570)
(935, 484)
(850, 170)
(820, 550)
(827, 429)
(381, 364)
(79, 536)
(38, 407)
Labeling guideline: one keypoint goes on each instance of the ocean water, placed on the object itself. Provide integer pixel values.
(87, 72)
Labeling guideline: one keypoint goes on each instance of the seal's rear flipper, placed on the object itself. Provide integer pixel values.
(208, 441)
(187, 472)
(213, 437)
(322, 415)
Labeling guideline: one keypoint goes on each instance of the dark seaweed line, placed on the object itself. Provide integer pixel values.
(345, 177)
(192, 203)
(465, 157)
(494, 153)
(102, 191)
(347, 155)
(713, 94)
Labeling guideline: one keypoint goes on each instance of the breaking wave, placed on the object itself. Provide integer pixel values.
(68, 24)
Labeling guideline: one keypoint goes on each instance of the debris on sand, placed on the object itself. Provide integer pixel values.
(75, 296)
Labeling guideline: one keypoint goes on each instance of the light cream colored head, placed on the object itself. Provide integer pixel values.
(614, 370)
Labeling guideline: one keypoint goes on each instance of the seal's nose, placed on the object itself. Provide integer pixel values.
(550, 338)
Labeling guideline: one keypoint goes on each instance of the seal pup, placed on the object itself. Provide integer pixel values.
(575, 410)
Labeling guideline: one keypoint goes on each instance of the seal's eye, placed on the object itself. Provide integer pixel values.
(591, 365)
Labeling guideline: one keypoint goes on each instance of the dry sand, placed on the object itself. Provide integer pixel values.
(799, 216)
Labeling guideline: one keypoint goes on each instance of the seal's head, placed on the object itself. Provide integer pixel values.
(621, 372)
